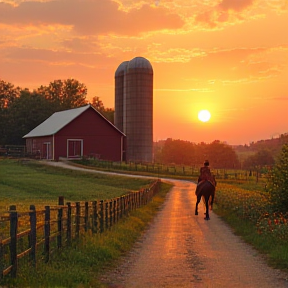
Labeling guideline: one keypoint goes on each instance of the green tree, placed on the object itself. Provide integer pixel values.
(108, 113)
(278, 186)
(65, 94)
(8, 94)
(220, 155)
(264, 157)
(176, 152)
(24, 114)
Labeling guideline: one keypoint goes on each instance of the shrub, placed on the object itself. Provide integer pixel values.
(278, 186)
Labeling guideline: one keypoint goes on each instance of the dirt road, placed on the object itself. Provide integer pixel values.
(180, 249)
(183, 250)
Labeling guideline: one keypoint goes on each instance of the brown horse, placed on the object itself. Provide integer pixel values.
(205, 190)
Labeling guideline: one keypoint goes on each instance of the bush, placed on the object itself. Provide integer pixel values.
(278, 186)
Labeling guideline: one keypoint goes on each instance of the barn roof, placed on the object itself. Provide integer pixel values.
(59, 120)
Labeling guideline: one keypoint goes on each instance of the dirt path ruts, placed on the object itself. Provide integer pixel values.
(180, 249)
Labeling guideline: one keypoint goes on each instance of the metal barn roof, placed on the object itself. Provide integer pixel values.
(56, 122)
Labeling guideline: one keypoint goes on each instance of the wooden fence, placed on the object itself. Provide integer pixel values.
(161, 170)
(56, 226)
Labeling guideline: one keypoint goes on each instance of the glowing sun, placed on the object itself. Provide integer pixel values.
(204, 115)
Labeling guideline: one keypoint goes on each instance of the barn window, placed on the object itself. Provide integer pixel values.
(74, 148)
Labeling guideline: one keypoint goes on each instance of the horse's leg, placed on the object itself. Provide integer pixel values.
(197, 202)
(207, 208)
(212, 200)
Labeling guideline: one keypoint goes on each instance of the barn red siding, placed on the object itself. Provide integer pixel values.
(89, 131)
(40, 146)
(99, 137)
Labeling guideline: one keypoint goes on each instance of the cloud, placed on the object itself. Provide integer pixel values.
(236, 5)
(227, 11)
(90, 17)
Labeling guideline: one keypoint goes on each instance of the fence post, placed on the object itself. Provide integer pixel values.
(13, 242)
(77, 219)
(101, 216)
(69, 223)
(111, 212)
(86, 216)
(106, 215)
(47, 233)
(60, 214)
(114, 210)
(32, 236)
(121, 207)
(94, 220)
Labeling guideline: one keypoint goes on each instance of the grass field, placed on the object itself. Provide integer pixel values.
(33, 183)
(80, 264)
(38, 184)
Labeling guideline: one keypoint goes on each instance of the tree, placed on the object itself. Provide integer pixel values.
(108, 113)
(24, 114)
(65, 94)
(262, 158)
(22, 110)
(8, 94)
(221, 155)
(278, 186)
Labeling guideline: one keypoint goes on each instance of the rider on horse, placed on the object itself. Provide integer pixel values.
(205, 175)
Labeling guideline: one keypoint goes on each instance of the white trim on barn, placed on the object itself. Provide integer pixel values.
(76, 148)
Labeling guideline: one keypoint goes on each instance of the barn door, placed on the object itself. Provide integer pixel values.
(46, 151)
(74, 148)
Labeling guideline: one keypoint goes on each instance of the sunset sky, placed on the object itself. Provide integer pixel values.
(227, 56)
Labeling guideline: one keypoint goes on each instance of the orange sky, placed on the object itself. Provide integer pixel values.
(227, 56)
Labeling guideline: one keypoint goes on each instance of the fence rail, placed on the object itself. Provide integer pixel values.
(178, 170)
(57, 226)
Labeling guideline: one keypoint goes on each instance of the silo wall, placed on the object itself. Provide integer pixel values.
(138, 120)
(119, 95)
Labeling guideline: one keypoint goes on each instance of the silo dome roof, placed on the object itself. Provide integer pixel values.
(121, 68)
(139, 62)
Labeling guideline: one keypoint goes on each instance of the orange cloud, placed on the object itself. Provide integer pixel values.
(91, 17)
(235, 5)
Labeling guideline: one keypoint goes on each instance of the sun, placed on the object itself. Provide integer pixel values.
(204, 115)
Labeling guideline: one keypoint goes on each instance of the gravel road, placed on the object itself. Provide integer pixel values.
(180, 249)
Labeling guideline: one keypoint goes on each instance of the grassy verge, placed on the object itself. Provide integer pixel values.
(81, 265)
(273, 249)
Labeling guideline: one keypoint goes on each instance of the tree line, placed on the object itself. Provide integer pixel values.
(181, 152)
(22, 110)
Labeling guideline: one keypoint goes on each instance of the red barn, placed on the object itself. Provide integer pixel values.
(75, 133)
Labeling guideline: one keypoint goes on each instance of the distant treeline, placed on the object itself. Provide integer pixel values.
(260, 155)
(22, 110)
(182, 152)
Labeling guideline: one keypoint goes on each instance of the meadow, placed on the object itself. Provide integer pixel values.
(80, 264)
(244, 205)
(25, 183)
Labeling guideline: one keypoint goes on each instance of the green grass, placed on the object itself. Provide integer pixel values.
(38, 184)
(81, 265)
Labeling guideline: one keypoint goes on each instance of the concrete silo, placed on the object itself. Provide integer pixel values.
(119, 95)
(134, 107)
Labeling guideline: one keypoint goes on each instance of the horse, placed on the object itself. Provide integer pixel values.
(205, 190)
